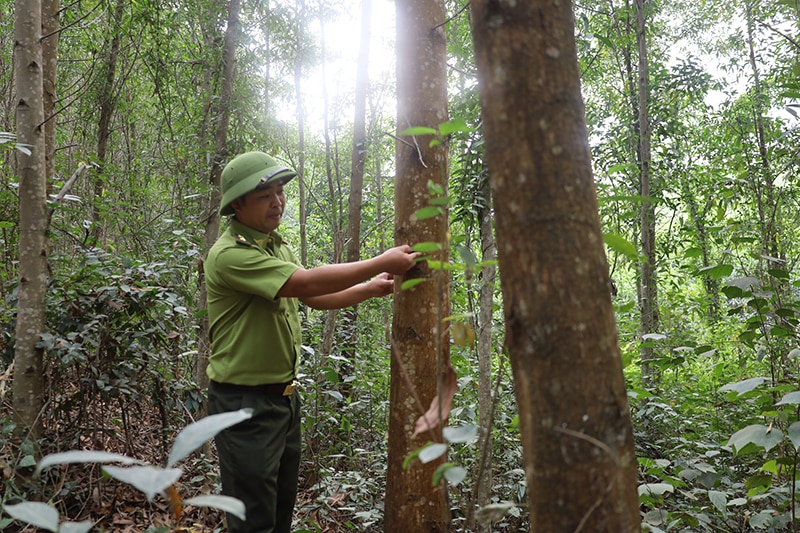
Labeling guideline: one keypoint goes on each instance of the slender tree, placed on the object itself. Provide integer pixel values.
(560, 332)
(420, 347)
(223, 113)
(33, 241)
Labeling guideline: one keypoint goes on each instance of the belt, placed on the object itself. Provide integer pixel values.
(279, 389)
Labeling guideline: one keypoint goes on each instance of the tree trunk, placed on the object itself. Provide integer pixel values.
(106, 102)
(420, 344)
(357, 158)
(33, 240)
(648, 292)
(223, 115)
(485, 313)
(560, 328)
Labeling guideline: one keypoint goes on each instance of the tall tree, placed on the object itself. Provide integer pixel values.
(33, 240)
(648, 284)
(560, 332)
(223, 114)
(357, 159)
(420, 346)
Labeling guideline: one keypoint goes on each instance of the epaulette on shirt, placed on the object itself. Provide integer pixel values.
(241, 239)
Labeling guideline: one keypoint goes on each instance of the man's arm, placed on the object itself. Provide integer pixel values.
(339, 277)
(379, 286)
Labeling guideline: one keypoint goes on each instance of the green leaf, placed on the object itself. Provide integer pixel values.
(719, 499)
(419, 130)
(794, 434)
(427, 247)
(438, 474)
(455, 475)
(34, 513)
(757, 434)
(621, 245)
(655, 489)
(432, 452)
(744, 386)
(460, 433)
(84, 456)
(793, 398)
(195, 435)
(454, 125)
(717, 272)
(76, 527)
(149, 479)
(407, 284)
(428, 212)
(223, 503)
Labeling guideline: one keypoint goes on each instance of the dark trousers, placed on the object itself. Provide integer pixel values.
(259, 458)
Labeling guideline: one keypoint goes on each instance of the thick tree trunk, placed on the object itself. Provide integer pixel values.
(420, 344)
(560, 330)
(33, 240)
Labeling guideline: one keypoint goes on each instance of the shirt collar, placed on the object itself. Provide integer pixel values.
(262, 240)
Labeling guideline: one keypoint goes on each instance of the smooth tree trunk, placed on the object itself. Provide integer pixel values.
(107, 104)
(33, 240)
(357, 160)
(561, 334)
(648, 283)
(486, 402)
(223, 114)
(420, 343)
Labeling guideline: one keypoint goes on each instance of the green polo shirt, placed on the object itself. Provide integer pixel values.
(255, 336)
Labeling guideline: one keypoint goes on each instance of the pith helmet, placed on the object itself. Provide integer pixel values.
(247, 171)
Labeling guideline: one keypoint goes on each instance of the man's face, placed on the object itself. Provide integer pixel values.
(262, 209)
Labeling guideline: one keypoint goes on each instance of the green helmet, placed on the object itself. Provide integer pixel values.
(245, 172)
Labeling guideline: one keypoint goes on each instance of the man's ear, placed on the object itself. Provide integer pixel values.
(237, 204)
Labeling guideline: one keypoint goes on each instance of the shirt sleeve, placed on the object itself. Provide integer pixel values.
(252, 271)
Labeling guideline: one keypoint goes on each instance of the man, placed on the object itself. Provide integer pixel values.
(254, 283)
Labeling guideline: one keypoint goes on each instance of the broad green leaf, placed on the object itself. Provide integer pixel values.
(34, 513)
(149, 479)
(757, 434)
(744, 283)
(427, 247)
(793, 398)
(407, 284)
(455, 475)
(457, 434)
(428, 212)
(778, 273)
(223, 503)
(466, 255)
(76, 527)
(84, 456)
(432, 452)
(794, 434)
(334, 394)
(717, 272)
(794, 354)
(655, 489)
(719, 499)
(621, 245)
(456, 124)
(195, 435)
(419, 130)
(744, 386)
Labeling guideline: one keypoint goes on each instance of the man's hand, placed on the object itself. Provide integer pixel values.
(381, 285)
(398, 260)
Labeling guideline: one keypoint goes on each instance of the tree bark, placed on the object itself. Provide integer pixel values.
(648, 292)
(560, 328)
(357, 159)
(420, 344)
(223, 115)
(33, 239)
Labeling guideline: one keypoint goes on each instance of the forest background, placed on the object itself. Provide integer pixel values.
(701, 236)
